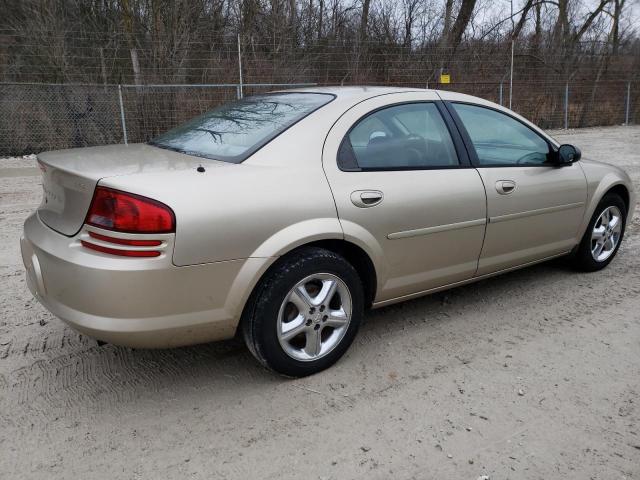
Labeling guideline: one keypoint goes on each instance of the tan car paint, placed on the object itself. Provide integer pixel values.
(234, 221)
(135, 302)
(602, 177)
(415, 256)
(538, 219)
(70, 176)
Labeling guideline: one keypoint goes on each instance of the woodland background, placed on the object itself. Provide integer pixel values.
(75, 73)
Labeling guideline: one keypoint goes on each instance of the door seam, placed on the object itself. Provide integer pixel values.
(486, 225)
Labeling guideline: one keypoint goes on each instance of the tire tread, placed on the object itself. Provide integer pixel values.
(266, 295)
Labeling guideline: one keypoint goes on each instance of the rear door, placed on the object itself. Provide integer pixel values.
(535, 207)
(405, 191)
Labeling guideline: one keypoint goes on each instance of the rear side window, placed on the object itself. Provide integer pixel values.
(232, 132)
(500, 140)
(399, 137)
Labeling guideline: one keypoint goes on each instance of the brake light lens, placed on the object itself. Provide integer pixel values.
(129, 213)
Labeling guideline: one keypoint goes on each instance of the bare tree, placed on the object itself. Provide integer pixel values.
(127, 20)
(411, 11)
(364, 19)
(448, 15)
(618, 6)
(460, 25)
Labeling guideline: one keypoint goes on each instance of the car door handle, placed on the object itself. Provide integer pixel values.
(366, 198)
(505, 187)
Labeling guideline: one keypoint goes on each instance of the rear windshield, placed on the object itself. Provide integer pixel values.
(232, 132)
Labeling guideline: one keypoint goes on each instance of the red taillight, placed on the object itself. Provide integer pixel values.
(126, 212)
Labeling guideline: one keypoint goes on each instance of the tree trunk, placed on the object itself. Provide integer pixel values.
(135, 65)
(293, 20)
(615, 27)
(364, 19)
(320, 18)
(523, 19)
(103, 69)
(561, 28)
(461, 23)
(590, 19)
(537, 35)
(446, 30)
(409, 18)
(128, 25)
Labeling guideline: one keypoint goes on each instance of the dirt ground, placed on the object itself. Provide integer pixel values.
(531, 375)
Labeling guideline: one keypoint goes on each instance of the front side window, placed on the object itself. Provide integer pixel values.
(500, 140)
(399, 137)
(232, 132)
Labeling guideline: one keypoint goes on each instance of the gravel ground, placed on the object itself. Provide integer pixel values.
(534, 374)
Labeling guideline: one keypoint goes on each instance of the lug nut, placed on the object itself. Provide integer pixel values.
(317, 327)
(308, 323)
(324, 319)
(322, 308)
(312, 311)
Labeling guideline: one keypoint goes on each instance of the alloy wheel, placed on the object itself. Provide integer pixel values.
(606, 233)
(314, 317)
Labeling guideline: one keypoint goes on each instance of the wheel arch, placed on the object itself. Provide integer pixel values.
(622, 191)
(359, 259)
(610, 184)
(582, 256)
(352, 253)
(603, 179)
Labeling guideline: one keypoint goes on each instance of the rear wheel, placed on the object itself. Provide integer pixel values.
(604, 234)
(305, 313)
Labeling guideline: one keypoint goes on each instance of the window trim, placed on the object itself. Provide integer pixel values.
(457, 140)
(473, 154)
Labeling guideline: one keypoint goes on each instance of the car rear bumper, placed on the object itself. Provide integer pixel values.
(137, 302)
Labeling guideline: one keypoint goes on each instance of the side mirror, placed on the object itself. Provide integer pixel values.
(568, 154)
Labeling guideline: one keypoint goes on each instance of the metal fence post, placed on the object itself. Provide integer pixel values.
(566, 106)
(122, 120)
(500, 94)
(238, 93)
(626, 113)
(511, 75)
(239, 69)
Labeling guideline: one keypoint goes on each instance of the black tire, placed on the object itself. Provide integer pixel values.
(260, 318)
(582, 259)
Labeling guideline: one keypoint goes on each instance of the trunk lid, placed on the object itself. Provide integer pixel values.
(69, 177)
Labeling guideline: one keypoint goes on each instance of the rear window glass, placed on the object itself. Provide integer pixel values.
(232, 132)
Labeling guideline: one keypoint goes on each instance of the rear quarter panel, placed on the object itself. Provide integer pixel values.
(277, 199)
(229, 213)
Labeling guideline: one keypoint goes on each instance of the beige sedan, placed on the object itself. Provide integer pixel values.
(282, 217)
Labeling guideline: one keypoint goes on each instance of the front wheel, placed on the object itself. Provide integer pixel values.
(604, 234)
(305, 313)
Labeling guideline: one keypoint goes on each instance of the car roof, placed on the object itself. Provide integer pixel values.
(364, 91)
(358, 93)
(355, 94)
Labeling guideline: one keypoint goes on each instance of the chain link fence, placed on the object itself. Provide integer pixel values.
(63, 89)
(36, 117)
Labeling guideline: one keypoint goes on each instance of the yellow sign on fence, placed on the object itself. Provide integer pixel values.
(445, 78)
